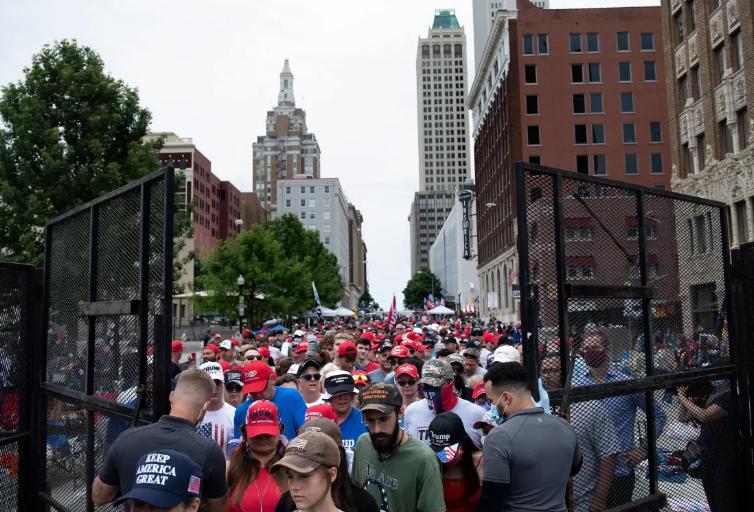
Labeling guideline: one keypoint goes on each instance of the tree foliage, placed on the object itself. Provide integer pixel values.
(366, 300)
(418, 287)
(278, 261)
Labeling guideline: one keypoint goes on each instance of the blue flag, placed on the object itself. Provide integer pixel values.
(319, 305)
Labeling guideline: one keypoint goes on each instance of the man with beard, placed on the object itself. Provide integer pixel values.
(437, 384)
(396, 468)
(210, 353)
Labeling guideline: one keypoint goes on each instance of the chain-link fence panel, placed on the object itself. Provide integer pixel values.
(66, 454)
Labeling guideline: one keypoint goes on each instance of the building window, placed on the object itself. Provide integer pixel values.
(326, 202)
(678, 24)
(742, 224)
(623, 42)
(579, 104)
(631, 163)
(535, 160)
(595, 73)
(743, 129)
(582, 164)
(655, 132)
(683, 85)
(599, 165)
(660, 186)
(598, 134)
(647, 42)
(327, 240)
(311, 190)
(532, 136)
(327, 189)
(701, 147)
(592, 43)
(543, 47)
(528, 45)
(577, 233)
(738, 51)
(579, 131)
(303, 203)
(629, 133)
(302, 215)
(719, 70)
(627, 102)
(595, 103)
(287, 203)
(655, 163)
(577, 73)
(574, 41)
(312, 215)
(312, 203)
(634, 271)
(579, 268)
(530, 74)
(287, 191)
(696, 83)
(532, 105)
(624, 71)
(326, 215)
(692, 15)
(726, 138)
(303, 190)
(327, 228)
(650, 71)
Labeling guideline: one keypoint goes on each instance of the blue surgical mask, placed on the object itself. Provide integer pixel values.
(495, 415)
(719, 383)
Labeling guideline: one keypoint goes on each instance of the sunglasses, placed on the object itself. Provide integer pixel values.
(233, 389)
(309, 376)
(403, 383)
(253, 358)
(361, 378)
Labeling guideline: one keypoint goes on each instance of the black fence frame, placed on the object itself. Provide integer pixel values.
(41, 389)
(737, 372)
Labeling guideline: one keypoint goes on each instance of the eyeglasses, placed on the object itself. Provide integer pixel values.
(361, 378)
(233, 389)
(310, 376)
(253, 358)
(403, 383)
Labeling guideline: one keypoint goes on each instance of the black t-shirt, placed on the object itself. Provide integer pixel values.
(169, 433)
(174, 369)
(362, 500)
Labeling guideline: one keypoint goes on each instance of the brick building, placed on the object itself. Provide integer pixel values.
(577, 89)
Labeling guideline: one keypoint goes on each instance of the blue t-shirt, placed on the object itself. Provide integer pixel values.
(351, 429)
(291, 410)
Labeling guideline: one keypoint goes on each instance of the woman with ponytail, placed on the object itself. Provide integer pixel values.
(251, 485)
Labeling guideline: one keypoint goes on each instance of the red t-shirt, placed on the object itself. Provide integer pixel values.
(252, 494)
(372, 367)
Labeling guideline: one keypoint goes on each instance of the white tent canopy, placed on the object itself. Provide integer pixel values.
(341, 311)
(441, 310)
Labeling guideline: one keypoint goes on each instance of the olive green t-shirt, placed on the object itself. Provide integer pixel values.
(410, 480)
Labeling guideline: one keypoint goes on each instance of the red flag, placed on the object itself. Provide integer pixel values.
(392, 317)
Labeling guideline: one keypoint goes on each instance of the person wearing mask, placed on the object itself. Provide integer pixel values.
(166, 480)
(234, 388)
(308, 383)
(407, 380)
(622, 409)
(217, 423)
(339, 393)
(250, 482)
(258, 379)
(437, 384)
(176, 351)
(310, 468)
(174, 431)
(461, 462)
(399, 471)
(530, 455)
(210, 353)
(383, 359)
(347, 494)
(471, 363)
(717, 441)
(509, 354)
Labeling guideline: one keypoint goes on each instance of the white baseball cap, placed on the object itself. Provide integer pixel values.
(226, 344)
(506, 354)
(215, 371)
(299, 334)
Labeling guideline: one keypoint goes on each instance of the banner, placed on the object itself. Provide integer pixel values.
(492, 300)
(319, 306)
(392, 317)
(465, 198)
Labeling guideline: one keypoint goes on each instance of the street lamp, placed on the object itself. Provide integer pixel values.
(240, 303)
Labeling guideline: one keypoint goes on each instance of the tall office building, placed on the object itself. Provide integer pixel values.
(287, 150)
(443, 134)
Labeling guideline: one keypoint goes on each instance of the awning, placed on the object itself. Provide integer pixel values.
(633, 221)
(580, 261)
(652, 259)
(579, 223)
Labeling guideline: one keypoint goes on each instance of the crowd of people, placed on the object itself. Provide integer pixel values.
(425, 417)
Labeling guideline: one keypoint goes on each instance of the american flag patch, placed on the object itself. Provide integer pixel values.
(447, 454)
(298, 443)
(194, 484)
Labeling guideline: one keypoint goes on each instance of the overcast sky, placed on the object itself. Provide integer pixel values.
(209, 70)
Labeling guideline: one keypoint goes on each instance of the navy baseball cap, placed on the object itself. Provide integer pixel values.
(164, 479)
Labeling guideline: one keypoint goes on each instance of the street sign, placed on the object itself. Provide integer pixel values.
(240, 309)
(443, 292)
(240, 299)
(516, 291)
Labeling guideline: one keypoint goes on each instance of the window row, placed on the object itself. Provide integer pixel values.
(310, 187)
(594, 73)
(312, 204)
(623, 42)
(599, 164)
(533, 136)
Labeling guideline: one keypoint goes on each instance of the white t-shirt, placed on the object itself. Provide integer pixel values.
(319, 401)
(218, 425)
(418, 417)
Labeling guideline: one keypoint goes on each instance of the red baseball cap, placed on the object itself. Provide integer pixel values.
(376, 345)
(213, 347)
(264, 351)
(399, 351)
(478, 390)
(255, 376)
(347, 347)
(488, 336)
(262, 418)
(225, 365)
(301, 347)
(321, 411)
(218, 337)
(411, 336)
(177, 346)
(398, 338)
(234, 341)
(407, 369)
(368, 335)
(237, 367)
(422, 348)
(360, 377)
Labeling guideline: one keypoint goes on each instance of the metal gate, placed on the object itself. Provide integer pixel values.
(105, 337)
(637, 282)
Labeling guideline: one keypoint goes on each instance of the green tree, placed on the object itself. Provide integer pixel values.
(418, 287)
(69, 133)
(366, 298)
(278, 260)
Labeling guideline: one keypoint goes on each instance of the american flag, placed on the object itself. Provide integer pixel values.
(194, 484)
(392, 317)
(512, 275)
(447, 454)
